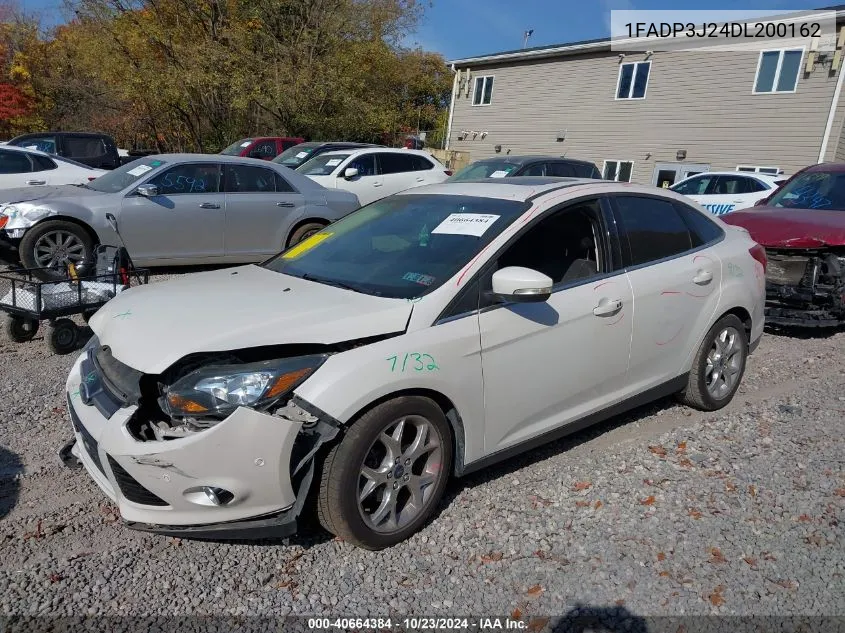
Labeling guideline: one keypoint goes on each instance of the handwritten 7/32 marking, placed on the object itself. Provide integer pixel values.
(419, 362)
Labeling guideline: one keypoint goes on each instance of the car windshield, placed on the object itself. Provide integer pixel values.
(812, 190)
(322, 165)
(490, 169)
(237, 147)
(401, 247)
(294, 156)
(124, 176)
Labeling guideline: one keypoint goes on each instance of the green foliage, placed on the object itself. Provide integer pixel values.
(197, 74)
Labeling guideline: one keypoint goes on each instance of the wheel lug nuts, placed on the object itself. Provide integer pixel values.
(408, 462)
(406, 477)
(397, 461)
(395, 485)
(389, 474)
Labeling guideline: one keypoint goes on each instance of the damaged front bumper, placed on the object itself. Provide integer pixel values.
(246, 477)
(805, 288)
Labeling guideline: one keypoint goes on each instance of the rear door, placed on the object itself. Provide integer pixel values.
(398, 171)
(732, 192)
(16, 170)
(260, 204)
(184, 222)
(561, 169)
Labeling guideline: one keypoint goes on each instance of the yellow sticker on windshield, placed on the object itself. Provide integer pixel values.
(306, 245)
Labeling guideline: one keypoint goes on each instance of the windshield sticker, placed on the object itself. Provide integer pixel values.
(466, 224)
(306, 245)
(419, 362)
(302, 154)
(501, 173)
(247, 144)
(417, 278)
(334, 162)
(140, 170)
(156, 163)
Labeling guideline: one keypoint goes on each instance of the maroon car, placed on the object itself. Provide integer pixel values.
(802, 227)
(263, 147)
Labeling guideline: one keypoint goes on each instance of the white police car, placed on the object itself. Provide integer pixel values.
(721, 192)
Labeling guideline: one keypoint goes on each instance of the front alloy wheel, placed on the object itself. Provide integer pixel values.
(382, 482)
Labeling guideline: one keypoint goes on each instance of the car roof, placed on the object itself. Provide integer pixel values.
(522, 160)
(26, 150)
(369, 150)
(215, 158)
(514, 188)
(827, 167)
(751, 174)
(33, 134)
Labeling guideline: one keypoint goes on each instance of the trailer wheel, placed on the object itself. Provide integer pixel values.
(64, 336)
(20, 329)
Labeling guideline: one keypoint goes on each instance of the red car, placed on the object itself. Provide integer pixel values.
(264, 147)
(802, 227)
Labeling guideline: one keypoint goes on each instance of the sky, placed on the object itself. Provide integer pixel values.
(465, 28)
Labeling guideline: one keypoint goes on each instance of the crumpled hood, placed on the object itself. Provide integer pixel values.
(791, 228)
(152, 326)
(27, 194)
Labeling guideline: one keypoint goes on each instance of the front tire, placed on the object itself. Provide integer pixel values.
(384, 479)
(54, 244)
(718, 366)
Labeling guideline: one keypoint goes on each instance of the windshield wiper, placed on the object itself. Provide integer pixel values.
(83, 185)
(331, 282)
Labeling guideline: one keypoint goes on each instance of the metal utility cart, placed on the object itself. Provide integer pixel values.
(28, 299)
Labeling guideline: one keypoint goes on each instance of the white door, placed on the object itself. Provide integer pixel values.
(16, 170)
(676, 284)
(733, 192)
(399, 172)
(547, 364)
(368, 185)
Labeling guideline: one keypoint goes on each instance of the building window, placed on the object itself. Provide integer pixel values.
(774, 171)
(483, 93)
(777, 71)
(633, 80)
(618, 170)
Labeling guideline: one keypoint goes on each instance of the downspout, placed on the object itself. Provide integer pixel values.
(831, 115)
(451, 107)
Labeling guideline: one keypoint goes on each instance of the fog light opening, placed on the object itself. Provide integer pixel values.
(218, 496)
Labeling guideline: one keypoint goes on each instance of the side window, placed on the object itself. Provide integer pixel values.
(189, 178)
(564, 246)
(421, 163)
(282, 185)
(564, 170)
(84, 146)
(248, 179)
(288, 144)
(537, 169)
(694, 186)
(755, 186)
(266, 149)
(733, 185)
(14, 163)
(42, 163)
(653, 228)
(365, 164)
(702, 229)
(395, 163)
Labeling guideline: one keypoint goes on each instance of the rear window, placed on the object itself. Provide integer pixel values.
(84, 146)
(491, 169)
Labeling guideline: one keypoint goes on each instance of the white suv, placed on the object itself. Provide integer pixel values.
(374, 173)
(721, 192)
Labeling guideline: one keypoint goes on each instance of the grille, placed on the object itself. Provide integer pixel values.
(88, 441)
(131, 489)
(786, 271)
(120, 380)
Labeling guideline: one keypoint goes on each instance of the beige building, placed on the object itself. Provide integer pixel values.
(653, 117)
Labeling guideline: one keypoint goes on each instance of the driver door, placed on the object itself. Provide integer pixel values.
(548, 364)
(184, 222)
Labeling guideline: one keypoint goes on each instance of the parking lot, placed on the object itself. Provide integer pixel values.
(663, 511)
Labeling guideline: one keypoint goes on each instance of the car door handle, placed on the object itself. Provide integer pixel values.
(607, 307)
(703, 277)
(209, 205)
(377, 184)
(36, 182)
(285, 204)
(420, 179)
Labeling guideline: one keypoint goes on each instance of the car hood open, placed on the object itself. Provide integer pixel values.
(28, 194)
(151, 327)
(775, 227)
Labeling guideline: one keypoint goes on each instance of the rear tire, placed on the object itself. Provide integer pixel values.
(718, 366)
(64, 337)
(305, 231)
(68, 242)
(20, 329)
(385, 478)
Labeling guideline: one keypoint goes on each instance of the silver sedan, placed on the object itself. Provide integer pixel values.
(172, 209)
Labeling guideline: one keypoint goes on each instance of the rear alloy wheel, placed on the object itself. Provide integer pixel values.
(53, 245)
(384, 479)
(304, 232)
(718, 366)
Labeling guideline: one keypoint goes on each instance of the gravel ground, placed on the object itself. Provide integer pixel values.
(666, 511)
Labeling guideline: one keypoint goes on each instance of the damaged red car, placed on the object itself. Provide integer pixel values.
(802, 227)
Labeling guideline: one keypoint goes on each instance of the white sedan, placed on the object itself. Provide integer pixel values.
(428, 335)
(721, 192)
(374, 173)
(22, 167)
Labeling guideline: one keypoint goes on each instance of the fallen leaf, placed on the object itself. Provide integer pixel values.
(648, 501)
(716, 556)
(839, 492)
(537, 624)
(682, 447)
(537, 501)
(685, 462)
(661, 556)
(598, 505)
(716, 598)
(752, 490)
(516, 614)
(730, 486)
(535, 591)
(492, 557)
(804, 518)
(658, 450)
(582, 504)
(815, 539)
(581, 485)
(54, 578)
(620, 603)
(768, 556)
(664, 574)
(750, 561)
(694, 513)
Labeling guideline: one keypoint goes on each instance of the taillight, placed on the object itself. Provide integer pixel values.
(448, 172)
(90, 178)
(759, 253)
(3, 220)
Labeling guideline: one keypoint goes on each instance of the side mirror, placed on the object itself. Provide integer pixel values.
(350, 172)
(521, 285)
(112, 221)
(147, 190)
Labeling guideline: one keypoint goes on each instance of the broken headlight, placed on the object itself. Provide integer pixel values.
(217, 390)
